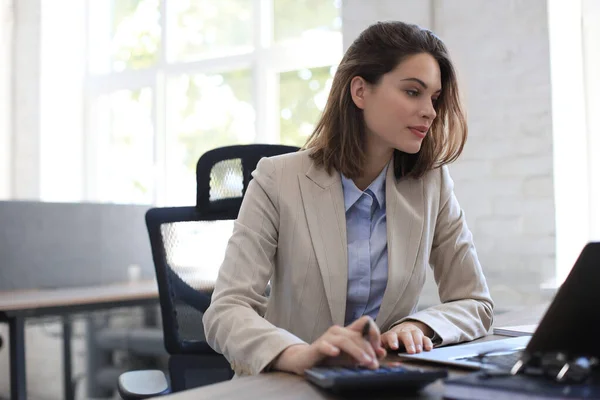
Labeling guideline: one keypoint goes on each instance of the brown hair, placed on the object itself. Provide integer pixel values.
(338, 140)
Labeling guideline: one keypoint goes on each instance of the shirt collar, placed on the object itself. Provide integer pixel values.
(352, 193)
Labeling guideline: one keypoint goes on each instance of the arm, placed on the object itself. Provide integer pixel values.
(466, 309)
(234, 323)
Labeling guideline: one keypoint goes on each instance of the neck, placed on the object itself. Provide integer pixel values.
(377, 159)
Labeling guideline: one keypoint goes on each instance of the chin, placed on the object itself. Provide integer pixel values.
(409, 148)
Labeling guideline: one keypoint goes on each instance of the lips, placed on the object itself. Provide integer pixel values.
(419, 131)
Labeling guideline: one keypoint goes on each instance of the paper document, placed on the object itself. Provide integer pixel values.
(517, 330)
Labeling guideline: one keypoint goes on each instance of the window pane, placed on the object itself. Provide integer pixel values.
(207, 28)
(124, 34)
(204, 112)
(125, 151)
(305, 18)
(302, 99)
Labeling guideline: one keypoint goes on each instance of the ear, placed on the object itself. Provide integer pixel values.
(358, 89)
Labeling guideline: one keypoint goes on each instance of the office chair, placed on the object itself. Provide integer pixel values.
(186, 271)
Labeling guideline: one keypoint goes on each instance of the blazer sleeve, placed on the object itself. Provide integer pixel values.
(466, 309)
(234, 323)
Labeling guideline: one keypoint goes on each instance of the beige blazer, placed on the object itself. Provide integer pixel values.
(291, 231)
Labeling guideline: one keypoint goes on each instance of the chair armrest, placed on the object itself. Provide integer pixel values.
(136, 385)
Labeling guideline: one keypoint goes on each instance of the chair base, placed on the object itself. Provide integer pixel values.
(135, 385)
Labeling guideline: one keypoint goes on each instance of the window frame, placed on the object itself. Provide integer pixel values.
(265, 61)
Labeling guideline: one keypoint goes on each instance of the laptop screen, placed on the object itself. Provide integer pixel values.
(570, 323)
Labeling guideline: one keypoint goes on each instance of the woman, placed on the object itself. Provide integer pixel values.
(345, 229)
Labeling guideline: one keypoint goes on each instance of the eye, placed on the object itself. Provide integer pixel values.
(435, 101)
(412, 93)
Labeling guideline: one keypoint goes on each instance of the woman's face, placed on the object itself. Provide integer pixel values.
(400, 108)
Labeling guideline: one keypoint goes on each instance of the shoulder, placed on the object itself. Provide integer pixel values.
(437, 178)
(437, 185)
(276, 175)
(284, 165)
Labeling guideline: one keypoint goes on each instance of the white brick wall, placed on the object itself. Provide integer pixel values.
(6, 25)
(504, 178)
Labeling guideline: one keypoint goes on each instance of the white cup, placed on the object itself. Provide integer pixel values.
(134, 273)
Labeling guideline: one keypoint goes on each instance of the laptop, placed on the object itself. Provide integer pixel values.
(569, 325)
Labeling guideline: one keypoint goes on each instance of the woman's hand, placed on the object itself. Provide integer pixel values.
(337, 346)
(413, 335)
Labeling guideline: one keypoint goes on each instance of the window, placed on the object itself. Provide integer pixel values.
(575, 59)
(168, 80)
(591, 66)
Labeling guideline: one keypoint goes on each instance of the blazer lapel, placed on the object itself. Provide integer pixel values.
(323, 201)
(405, 209)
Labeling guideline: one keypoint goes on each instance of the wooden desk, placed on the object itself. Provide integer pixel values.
(278, 385)
(16, 306)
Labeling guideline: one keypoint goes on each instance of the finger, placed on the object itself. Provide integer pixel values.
(357, 334)
(418, 336)
(390, 339)
(381, 353)
(350, 346)
(366, 326)
(328, 349)
(356, 349)
(393, 364)
(359, 325)
(365, 345)
(427, 343)
(407, 340)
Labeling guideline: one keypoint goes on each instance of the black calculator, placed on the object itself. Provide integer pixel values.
(340, 379)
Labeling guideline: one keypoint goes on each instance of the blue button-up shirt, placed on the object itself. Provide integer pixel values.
(367, 247)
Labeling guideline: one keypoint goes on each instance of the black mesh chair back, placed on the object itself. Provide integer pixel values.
(188, 245)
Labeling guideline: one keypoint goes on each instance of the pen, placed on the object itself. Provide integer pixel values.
(365, 330)
(365, 334)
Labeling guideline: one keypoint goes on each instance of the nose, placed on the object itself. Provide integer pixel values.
(428, 112)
